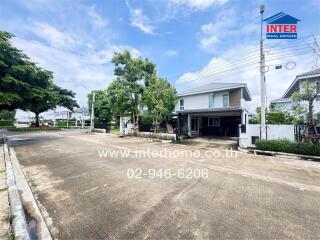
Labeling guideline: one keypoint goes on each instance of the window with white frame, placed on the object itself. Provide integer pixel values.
(225, 100)
(214, 121)
(211, 101)
(181, 104)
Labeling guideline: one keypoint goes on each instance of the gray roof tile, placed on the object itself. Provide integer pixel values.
(212, 87)
(312, 72)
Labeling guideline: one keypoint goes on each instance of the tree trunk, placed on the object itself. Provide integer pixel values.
(310, 116)
(37, 120)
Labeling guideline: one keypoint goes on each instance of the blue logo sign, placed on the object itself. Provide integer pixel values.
(281, 26)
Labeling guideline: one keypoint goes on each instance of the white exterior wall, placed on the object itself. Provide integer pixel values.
(281, 131)
(201, 101)
(273, 132)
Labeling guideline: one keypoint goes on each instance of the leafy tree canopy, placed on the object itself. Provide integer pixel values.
(307, 93)
(7, 115)
(102, 110)
(24, 85)
(159, 96)
(133, 74)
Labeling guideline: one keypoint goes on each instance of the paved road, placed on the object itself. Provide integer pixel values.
(85, 196)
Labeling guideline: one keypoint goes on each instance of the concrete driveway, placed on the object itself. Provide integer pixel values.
(87, 196)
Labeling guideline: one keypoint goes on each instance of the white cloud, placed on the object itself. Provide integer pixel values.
(232, 66)
(97, 20)
(225, 26)
(141, 21)
(52, 35)
(212, 32)
(172, 53)
(104, 56)
(199, 4)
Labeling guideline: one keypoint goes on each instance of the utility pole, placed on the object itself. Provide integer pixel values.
(82, 123)
(67, 119)
(75, 116)
(92, 111)
(262, 81)
(54, 118)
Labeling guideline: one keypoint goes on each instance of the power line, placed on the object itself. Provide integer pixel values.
(278, 52)
(253, 60)
(250, 56)
(221, 70)
(234, 70)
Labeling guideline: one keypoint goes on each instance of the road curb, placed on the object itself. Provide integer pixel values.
(19, 224)
(281, 154)
(24, 200)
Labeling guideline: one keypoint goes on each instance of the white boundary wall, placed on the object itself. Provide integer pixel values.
(273, 132)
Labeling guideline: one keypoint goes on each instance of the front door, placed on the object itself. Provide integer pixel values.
(194, 124)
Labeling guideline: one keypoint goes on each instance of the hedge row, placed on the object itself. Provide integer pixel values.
(289, 147)
(6, 123)
(32, 129)
(63, 123)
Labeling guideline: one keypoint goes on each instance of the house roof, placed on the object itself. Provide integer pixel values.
(217, 87)
(80, 110)
(281, 18)
(303, 76)
(281, 100)
(312, 72)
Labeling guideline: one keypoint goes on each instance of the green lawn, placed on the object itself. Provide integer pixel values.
(115, 130)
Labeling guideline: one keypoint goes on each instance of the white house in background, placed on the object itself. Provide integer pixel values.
(286, 104)
(214, 109)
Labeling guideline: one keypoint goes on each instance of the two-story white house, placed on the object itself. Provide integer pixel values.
(285, 103)
(214, 109)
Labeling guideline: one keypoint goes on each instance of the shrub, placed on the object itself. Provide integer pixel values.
(276, 118)
(287, 146)
(63, 123)
(145, 123)
(6, 123)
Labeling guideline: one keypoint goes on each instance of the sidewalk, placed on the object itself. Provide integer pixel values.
(4, 205)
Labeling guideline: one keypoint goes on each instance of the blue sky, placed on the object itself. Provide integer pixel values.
(187, 39)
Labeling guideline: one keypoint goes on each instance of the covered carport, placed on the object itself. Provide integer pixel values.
(219, 122)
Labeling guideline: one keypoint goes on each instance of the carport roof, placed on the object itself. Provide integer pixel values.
(211, 110)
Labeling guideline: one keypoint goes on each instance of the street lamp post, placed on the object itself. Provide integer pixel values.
(262, 81)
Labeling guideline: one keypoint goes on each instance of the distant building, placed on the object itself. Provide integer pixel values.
(286, 104)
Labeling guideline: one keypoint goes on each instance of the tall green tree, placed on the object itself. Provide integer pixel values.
(132, 75)
(24, 85)
(16, 72)
(102, 109)
(46, 95)
(159, 96)
(120, 98)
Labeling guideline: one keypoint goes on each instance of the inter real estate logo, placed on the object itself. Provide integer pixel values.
(281, 26)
